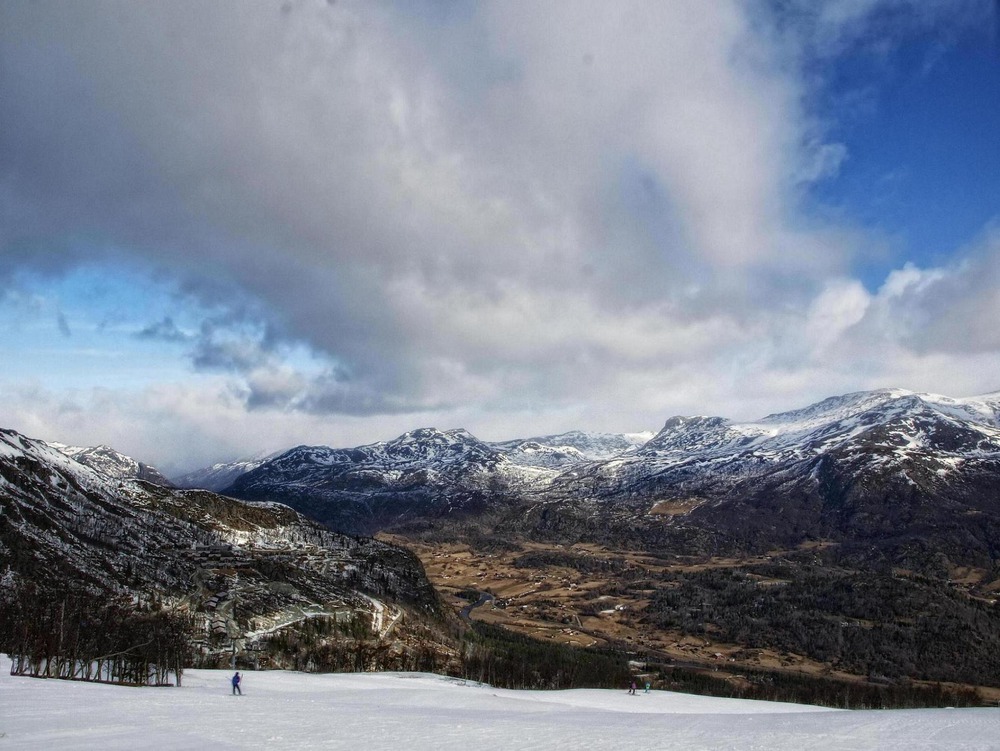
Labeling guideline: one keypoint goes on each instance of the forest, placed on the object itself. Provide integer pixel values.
(79, 635)
(879, 624)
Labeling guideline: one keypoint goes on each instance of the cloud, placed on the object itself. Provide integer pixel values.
(943, 310)
(63, 325)
(874, 27)
(227, 351)
(163, 330)
(841, 305)
(541, 211)
(330, 392)
(330, 146)
(195, 424)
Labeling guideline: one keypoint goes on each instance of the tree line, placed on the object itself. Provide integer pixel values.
(494, 655)
(78, 635)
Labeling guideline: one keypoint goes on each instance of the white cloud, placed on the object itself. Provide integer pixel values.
(841, 304)
(510, 214)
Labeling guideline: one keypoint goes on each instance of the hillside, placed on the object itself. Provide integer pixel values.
(889, 475)
(855, 539)
(245, 573)
(112, 464)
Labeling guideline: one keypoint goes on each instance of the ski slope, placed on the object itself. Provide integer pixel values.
(412, 711)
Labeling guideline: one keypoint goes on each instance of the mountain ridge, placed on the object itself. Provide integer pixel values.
(112, 463)
(853, 467)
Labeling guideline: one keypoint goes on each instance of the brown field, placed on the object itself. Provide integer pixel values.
(589, 609)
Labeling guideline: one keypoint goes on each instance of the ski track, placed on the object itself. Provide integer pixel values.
(285, 710)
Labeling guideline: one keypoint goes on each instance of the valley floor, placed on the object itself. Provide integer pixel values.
(285, 710)
(586, 595)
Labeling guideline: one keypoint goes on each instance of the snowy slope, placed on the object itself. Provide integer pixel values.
(359, 490)
(222, 474)
(113, 464)
(418, 712)
(567, 449)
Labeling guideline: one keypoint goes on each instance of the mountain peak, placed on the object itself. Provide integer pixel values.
(433, 434)
(112, 464)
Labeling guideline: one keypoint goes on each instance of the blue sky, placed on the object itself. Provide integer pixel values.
(228, 228)
(923, 144)
(81, 331)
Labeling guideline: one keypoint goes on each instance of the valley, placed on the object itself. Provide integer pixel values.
(588, 596)
(850, 547)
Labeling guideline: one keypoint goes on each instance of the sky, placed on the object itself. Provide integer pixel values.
(283, 709)
(231, 228)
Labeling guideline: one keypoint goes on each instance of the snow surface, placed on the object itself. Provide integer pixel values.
(415, 711)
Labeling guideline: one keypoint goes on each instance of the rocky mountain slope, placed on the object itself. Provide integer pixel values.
(244, 571)
(222, 474)
(422, 473)
(568, 449)
(914, 473)
(112, 464)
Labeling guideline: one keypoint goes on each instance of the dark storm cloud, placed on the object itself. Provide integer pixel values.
(203, 149)
(332, 392)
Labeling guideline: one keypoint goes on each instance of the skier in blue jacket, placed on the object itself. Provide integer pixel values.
(236, 684)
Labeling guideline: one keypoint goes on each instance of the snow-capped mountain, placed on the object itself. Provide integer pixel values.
(860, 466)
(360, 490)
(222, 474)
(113, 464)
(913, 422)
(429, 447)
(568, 449)
(425, 455)
(890, 428)
(776, 480)
(242, 570)
(910, 473)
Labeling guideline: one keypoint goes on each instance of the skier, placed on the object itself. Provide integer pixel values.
(647, 688)
(631, 689)
(236, 684)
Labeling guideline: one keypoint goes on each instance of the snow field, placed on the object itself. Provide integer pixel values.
(414, 711)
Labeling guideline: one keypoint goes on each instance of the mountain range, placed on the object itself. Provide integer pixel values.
(862, 532)
(890, 475)
(914, 473)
